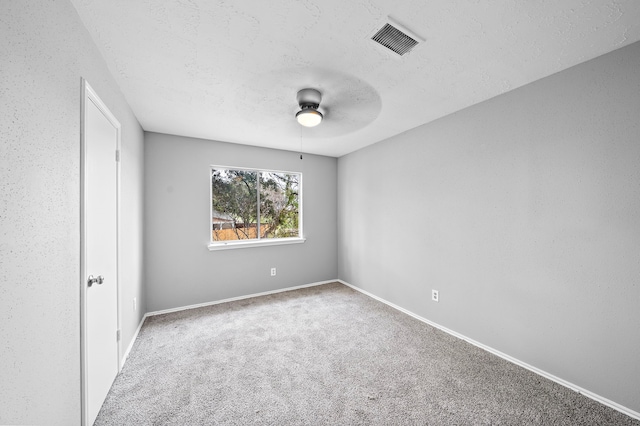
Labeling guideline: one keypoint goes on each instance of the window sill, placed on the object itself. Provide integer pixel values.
(254, 243)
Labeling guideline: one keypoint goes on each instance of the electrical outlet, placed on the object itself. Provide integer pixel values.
(434, 296)
(135, 304)
(273, 272)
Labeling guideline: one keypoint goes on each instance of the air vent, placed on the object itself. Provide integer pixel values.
(394, 39)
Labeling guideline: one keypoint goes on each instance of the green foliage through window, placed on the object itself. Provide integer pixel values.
(253, 204)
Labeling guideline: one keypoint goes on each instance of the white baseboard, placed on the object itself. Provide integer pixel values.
(232, 299)
(629, 412)
(133, 340)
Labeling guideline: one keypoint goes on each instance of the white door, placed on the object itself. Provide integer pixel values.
(100, 249)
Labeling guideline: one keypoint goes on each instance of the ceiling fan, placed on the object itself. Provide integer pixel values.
(309, 101)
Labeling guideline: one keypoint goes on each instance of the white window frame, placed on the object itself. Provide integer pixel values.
(257, 242)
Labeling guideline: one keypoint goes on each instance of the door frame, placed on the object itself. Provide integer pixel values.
(89, 95)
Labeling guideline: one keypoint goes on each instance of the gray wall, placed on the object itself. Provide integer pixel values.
(45, 50)
(180, 270)
(524, 212)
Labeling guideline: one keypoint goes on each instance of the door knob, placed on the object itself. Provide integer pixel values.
(93, 280)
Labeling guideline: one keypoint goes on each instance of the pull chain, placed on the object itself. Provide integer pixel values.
(301, 142)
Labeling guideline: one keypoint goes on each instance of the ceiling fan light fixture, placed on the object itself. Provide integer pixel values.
(309, 101)
(309, 117)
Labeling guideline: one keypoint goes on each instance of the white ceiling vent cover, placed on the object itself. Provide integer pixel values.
(396, 38)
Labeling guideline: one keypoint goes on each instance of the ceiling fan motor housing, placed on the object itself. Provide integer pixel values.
(309, 98)
(309, 101)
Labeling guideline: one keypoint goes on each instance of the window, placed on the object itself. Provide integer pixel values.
(254, 207)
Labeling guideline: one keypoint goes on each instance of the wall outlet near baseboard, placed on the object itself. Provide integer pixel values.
(135, 304)
(435, 296)
(273, 272)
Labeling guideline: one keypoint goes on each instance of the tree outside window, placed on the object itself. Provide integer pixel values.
(254, 204)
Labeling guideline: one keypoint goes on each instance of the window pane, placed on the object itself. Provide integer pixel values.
(234, 204)
(279, 203)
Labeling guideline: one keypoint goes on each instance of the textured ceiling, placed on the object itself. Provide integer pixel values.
(230, 70)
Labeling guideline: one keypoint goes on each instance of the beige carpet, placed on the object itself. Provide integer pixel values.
(327, 355)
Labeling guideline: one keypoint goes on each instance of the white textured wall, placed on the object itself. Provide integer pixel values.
(524, 212)
(44, 52)
(179, 268)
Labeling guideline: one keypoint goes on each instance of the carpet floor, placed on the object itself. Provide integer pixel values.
(327, 355)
